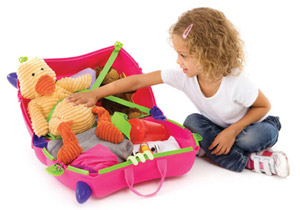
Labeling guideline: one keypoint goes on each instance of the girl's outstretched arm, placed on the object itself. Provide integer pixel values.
(126, 84)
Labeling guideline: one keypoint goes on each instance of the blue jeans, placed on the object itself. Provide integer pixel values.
(254, 138)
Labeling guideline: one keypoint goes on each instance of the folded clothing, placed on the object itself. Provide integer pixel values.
(96, 158)
(159, 146)
(88, 140)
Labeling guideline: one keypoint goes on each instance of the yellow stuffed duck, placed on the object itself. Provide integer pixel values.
(37, 82)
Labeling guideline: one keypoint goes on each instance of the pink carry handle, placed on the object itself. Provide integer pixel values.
(129, 177)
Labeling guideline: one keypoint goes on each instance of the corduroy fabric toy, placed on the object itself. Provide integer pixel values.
(71, 149)
(37, 82)
(105, 128)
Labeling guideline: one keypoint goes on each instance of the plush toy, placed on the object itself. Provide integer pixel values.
(105, 128)
(37, 82)
(112, 107)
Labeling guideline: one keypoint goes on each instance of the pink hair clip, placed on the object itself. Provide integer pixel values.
(187, 31)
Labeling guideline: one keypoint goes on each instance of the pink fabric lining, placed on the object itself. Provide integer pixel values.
(96, 158)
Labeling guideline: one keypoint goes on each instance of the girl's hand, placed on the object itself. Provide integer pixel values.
(86, 98)
(223, 142)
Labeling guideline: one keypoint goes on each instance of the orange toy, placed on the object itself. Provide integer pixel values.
(106, 130)
(71, 149)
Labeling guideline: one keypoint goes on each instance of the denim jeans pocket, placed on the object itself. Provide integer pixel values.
(274, 121)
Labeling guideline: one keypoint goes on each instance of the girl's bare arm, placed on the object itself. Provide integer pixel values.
(126, 84)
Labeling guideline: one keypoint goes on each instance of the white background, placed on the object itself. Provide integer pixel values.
(57, 29)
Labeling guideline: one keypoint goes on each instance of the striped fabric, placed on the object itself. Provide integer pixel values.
(39, 107)
(82, 117)
(29, 73)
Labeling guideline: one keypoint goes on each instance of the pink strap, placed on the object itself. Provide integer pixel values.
(129, 177)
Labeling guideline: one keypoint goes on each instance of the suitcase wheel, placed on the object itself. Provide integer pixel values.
(83, 192)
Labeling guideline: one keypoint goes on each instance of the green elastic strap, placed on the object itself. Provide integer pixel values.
(128, 104)
(52, 110)
(78, 170)
(109, 63)
(120, 120)
(51, 136)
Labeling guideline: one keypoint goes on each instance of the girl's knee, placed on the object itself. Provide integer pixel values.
(191, 121)
(197, 123)
(257, 137)
(274, 121)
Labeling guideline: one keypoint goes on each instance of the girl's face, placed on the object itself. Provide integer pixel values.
(187, 62)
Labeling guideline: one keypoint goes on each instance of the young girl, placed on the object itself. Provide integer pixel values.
(232, 118)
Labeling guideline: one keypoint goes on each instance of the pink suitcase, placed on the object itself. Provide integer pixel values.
(125, 174)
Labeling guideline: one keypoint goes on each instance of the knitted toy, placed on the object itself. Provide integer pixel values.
(112, 107)
(37, 82)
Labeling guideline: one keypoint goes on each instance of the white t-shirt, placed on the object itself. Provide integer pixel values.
(230, 103)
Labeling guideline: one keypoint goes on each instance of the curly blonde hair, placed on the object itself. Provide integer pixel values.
(213, 40)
